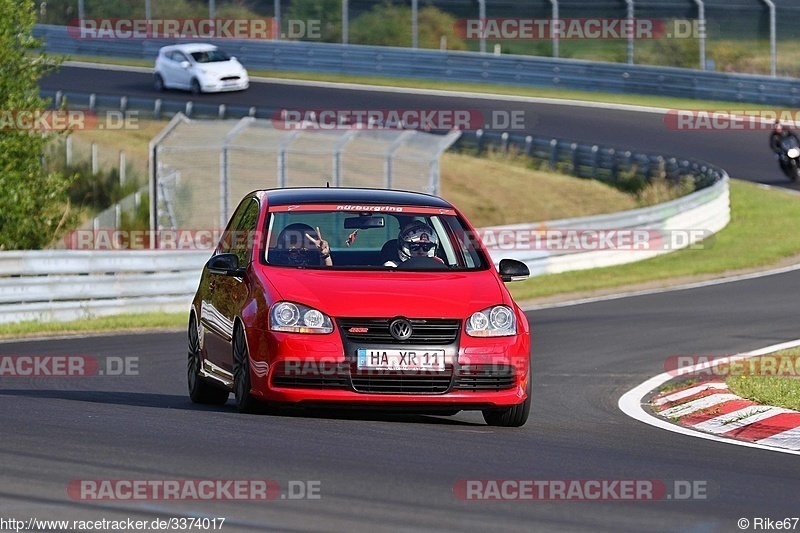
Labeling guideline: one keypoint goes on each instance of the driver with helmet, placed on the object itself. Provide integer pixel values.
(417, 239)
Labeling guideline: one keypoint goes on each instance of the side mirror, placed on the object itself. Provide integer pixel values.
(225, 265)
(513, 270)
(233, 58)
(184, 64)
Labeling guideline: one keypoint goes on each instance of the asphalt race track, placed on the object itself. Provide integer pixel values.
(397, 472)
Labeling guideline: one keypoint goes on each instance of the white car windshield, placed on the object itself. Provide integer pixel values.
(210, 56)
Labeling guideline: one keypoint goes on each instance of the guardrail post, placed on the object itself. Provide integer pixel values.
(614, 169)
(595, 158)
(57, 99)
(574, 148)
(252, 112)
(94, 159)
(221, 111)
(528, 145)
(504, 142)
(92, 101)
(117, 216)
(157, 109)
(122, 168)
(68, 149)
(479, 141)
(123, 104)
(553, 153)
(189, 107)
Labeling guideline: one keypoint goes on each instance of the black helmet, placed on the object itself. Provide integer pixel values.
(417, 239)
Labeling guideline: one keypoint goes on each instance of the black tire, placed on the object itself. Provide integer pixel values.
(200, 391)
(158, 83)
(510, 417)
(194, 86)
(241, 374)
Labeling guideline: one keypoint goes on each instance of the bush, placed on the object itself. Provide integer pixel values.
(730, 57)
(390, 25)
(328, 12)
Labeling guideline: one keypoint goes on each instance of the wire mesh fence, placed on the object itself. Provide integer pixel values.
(736, 36)
(201, 169)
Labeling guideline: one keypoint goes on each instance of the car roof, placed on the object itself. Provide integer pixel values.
(338, 195)
(189, 47)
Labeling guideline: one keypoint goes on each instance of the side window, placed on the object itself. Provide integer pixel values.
(179, 57)
(244, 232)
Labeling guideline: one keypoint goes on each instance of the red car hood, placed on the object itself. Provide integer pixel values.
(388, 294)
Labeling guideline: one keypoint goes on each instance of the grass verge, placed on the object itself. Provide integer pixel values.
(770, 390)
(131, 322)
(481, 88)
(757, 236)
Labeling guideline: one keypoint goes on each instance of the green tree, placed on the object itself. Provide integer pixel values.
(328, 12)
(32, 200)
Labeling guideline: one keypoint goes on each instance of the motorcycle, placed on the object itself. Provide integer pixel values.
(789, 158)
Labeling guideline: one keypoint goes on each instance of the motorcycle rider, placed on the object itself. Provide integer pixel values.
(780, 135)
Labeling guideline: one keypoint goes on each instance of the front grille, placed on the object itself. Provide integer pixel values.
(230, 78)
(376, 330)
(384, 382)
(485, 378)
(293, 374)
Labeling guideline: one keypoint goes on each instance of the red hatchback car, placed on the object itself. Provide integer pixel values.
(360, 297)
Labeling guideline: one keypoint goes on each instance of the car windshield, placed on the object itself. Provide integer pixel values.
(370, 238)
(210, 56)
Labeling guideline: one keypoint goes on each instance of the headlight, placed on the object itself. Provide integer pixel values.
(497, 321)
(296, 318)
(793, 152)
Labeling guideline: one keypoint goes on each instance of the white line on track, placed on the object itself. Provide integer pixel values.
(631, 404)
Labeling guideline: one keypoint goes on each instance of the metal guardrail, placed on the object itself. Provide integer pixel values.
(68, 285)
(470, 67)
(622, 168)
(60, 285)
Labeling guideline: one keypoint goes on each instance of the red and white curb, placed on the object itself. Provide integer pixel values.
(710, 411)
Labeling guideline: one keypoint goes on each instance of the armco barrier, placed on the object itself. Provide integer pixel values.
(67, 285)
(461, 67)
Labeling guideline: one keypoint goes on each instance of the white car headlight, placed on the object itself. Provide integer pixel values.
(793, 152)
(296, 318)
(497, 321)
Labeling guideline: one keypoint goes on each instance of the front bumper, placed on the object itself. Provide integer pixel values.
(217, 86)
(480, 374)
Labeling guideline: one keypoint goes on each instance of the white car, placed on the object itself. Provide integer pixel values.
(200, 68)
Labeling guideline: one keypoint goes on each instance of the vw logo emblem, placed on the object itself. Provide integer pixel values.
(400, 329)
